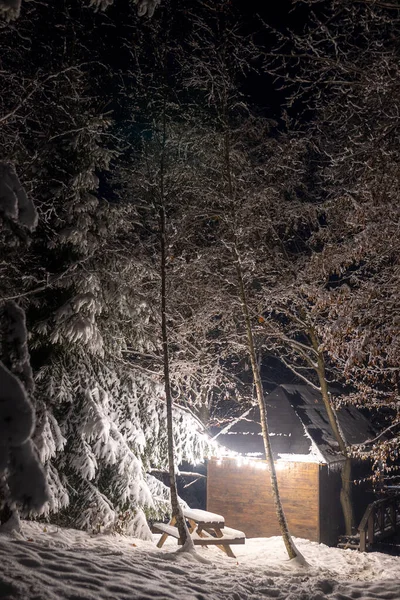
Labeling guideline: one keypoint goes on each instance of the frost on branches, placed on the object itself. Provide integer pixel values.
(9, 9)
(351, 281)
(101, 419)
(144, 7)
(110, 433)
(22, 479)
(100, 416)
(14, 202)
(23, 483)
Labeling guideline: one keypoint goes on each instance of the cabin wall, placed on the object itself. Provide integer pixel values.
(242, 494)
(331, 514)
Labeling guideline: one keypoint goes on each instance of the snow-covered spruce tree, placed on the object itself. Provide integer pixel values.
(163, 182)
(10, 9)
(100, 418)
(22, 480)
(23, 486)
(352, 86)
(234, 212)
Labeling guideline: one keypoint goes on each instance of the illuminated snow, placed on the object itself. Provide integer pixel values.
(50, 563)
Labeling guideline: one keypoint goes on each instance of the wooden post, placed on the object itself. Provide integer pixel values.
(392, 513)
(371, 528)
(381, 517)
(363, 541)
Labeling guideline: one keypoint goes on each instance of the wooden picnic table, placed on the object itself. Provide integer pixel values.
(205, 528)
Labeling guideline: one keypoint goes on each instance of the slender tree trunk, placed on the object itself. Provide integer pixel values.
(346, 496)
(346, 491)
(177, 514)
(176, 508)
(290, 547)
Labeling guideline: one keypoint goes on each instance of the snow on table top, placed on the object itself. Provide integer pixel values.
(203, 516)
(50, 563)
(228, 534)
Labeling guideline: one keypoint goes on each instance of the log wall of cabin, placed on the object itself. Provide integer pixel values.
(242, 494)
(331, 514)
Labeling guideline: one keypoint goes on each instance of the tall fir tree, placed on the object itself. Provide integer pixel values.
(100, 416)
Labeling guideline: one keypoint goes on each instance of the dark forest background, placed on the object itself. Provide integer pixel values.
(269, 138)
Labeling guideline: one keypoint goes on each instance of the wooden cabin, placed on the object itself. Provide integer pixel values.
(308, 464)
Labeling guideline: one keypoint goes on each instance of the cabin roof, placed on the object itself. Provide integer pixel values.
(298, 425)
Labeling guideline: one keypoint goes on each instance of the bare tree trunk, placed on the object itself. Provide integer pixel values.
(345, 493)
(176, 508)
(177, 513)
(290, 547)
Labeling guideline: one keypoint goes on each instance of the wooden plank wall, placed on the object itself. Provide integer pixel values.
(243, 495)
(331, 514)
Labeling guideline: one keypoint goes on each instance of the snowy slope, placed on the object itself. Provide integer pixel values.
(59, 564)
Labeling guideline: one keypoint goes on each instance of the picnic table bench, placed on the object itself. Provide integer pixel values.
(205, 528)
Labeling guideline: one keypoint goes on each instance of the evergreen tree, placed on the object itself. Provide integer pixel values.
(100, 415)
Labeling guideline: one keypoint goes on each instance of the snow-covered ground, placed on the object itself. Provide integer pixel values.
(49, 563)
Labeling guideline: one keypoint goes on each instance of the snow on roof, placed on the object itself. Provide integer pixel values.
(298, 425)
(203, 516)
(309, 407)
